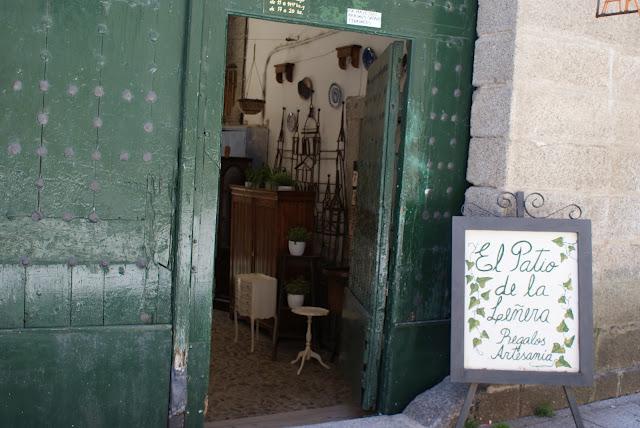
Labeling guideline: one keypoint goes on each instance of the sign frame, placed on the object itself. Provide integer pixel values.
(582, 228)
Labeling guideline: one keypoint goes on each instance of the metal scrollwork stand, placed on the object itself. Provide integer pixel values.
(524, 206)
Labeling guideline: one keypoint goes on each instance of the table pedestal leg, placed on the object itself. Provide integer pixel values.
(307, 354)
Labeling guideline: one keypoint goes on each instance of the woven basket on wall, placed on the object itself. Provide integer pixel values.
(251, 106)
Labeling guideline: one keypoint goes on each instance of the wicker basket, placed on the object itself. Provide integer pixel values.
(251, 106)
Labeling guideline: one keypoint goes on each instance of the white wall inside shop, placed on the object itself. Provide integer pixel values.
(317, 60)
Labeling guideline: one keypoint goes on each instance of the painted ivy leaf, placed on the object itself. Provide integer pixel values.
(474, 287)
(484, 334)
(470, 264)
(473, 302)
(476, 342)
(485, 295)
(480, 311)
(568, 314)
(559, 241)
(483, 281)
(563, 257)
(561, 362)
(569, 342)
(562, 300)
(572, 248)
(473, 323)
(567, 285)
(562, 327)
(469, 278)
(557, 348)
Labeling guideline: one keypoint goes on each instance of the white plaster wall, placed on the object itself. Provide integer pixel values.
(557, 110)
(317, 60)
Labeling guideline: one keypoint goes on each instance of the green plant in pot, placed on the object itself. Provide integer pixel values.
(251, 178)
(257, 177)
(282, 180)
(264, 176)
(296, 290)
(298, 237)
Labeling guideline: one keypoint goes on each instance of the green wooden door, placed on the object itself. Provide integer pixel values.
(365, 297)
(90, 118)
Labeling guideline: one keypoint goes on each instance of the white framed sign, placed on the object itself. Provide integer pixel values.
(521, 301)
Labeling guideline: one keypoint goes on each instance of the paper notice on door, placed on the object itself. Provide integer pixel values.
(364, 18)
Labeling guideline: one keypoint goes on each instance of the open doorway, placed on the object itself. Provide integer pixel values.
(294, 115)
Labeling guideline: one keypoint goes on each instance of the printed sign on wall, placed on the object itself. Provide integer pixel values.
(521, 300)
(285, 7)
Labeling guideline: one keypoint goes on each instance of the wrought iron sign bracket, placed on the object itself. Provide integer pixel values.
(525, 206)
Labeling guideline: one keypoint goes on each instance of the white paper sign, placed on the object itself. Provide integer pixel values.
(521, 301)
(364, 18)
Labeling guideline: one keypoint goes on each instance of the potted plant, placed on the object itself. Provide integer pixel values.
(251, 177)
(257, 177)
(296, 290)
(298, 237)
(282, 180)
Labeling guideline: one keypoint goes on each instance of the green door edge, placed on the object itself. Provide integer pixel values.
(429, 26)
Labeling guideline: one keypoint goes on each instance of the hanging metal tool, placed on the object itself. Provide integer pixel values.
(277, 164)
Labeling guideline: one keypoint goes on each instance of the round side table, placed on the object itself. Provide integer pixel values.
(307, 353)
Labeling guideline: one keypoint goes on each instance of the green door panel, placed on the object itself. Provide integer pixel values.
(85, 377)
(90, 123)
(370, 251)
(91, 120)
(154, 193)
(352, 358)
(404, 377)
(47, 296)
(87, 298)
(11, 296)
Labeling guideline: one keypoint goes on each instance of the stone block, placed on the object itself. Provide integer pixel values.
(626, 125)
(493, 59)
(487, 165)
(625, 174)
(630, 381)
(626, 77)
(495, 16)
(568, 62)
(623, 296)
(584, 394)
(532, 396)
(557, 166)
(438, 406)
(606, 386)
(617, 347)
(490, 111)
(548, 113)
(623, 217)
(578, 19)
(497, 404)
(482, 201)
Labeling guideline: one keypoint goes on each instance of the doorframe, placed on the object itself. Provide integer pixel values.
(199, 161)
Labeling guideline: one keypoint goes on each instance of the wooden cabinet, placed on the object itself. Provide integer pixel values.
(231, 174)
(260, 220)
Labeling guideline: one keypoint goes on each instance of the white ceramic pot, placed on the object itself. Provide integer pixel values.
(295, 300)
(297, 248)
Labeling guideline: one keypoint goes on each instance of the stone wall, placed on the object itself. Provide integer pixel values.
(555, 110)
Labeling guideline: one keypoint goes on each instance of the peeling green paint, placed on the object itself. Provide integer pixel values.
(161, 203)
